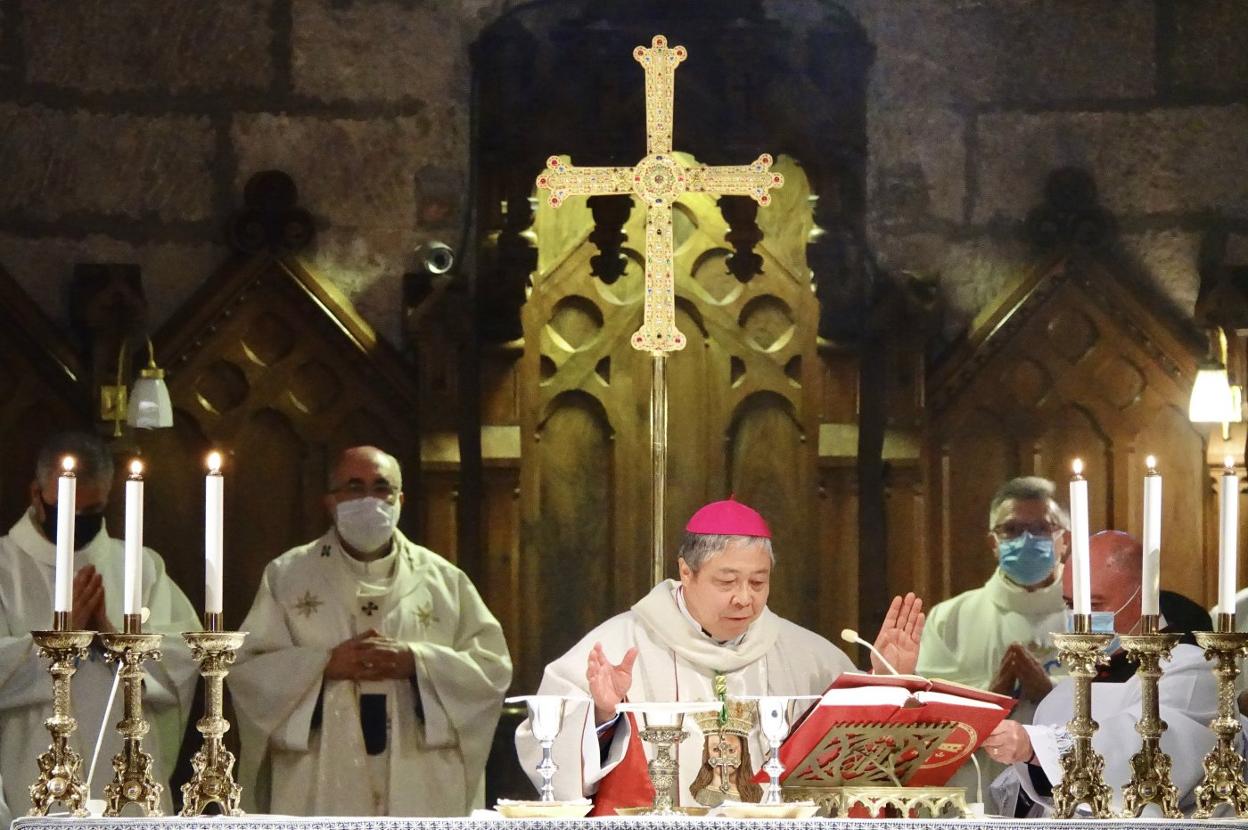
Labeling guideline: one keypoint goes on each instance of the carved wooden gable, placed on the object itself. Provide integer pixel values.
(269, 363)
(42, 393)
(1071, 362)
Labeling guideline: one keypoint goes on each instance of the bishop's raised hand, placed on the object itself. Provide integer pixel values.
(899, 636)
(608, 683)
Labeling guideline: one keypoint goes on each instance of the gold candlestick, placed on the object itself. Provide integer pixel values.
(213, 779)
(1224, 780)
(133, 782)
(60, 767)
(1083, 780)
(1150, 767)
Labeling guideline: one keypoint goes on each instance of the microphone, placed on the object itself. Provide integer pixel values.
(851, 636)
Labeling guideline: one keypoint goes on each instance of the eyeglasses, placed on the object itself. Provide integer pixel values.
(358, 490)
(1014, 529)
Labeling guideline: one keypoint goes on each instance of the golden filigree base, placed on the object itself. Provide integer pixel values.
(133, 782)
(1150, 782)
(884, 801)
(1224, 778)
(60, 768)
(1083, 768)
(212, 781)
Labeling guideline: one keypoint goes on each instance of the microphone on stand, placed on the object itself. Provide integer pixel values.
(851, 636)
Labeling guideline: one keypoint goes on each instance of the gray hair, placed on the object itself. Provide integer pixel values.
(93, 462)
(697, 548)
(1027, 488)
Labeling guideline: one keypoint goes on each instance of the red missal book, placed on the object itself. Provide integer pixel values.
(879, 729)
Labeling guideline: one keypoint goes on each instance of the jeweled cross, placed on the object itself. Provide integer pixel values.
(658, 180)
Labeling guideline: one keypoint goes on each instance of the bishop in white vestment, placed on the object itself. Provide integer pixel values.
(372, 678)
(677, 640)
(27, 565)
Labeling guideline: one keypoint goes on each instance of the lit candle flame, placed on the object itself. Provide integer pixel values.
(214, 462)
(67, 463)
(1151, 463)
(1077, 466)
(136, 467)
(1230, 462)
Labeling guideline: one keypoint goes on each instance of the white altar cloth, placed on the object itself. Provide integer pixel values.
(262, 822)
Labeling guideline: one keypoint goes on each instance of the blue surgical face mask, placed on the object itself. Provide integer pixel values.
(1103, 623)
(1026, 559)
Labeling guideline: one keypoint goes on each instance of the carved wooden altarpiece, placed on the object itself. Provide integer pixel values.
(746, 392)
(1071, 361)
(742, 405)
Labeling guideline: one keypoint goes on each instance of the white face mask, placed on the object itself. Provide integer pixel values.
(366, 524)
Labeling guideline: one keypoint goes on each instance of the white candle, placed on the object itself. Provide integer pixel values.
(1079, 558)
(1228, 538)
(133, 594)
(214, 523)
(1150, 578)
(66, 507)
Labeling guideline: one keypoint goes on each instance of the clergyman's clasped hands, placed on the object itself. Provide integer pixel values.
(370, 656)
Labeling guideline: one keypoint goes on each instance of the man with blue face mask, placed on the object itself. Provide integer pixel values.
(373, 676)
(996, 637)
(1187, 696)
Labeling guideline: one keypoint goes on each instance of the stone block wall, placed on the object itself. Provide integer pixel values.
(973, 103)
(130, 126)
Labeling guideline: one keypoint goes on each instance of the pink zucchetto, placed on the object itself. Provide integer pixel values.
(728, 518)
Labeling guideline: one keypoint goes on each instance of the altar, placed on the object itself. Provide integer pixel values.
(488, 822)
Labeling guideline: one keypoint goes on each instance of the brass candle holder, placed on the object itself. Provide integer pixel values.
(212, 781)
(1150, 767)
(1224, 780)
(60, 767)
(1083, 768)
(133, 782)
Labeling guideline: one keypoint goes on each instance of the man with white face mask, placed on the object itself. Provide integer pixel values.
(373, 676)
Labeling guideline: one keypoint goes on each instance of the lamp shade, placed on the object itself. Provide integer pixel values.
(1212, 400)
(150, 407)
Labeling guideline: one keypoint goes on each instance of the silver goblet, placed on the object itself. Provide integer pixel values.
(545, 720)
(773, 722)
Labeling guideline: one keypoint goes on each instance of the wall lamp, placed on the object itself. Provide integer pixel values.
(1214, 398)
(146, 405)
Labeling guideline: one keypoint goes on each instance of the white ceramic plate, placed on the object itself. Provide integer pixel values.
(544, 809)
(789, 809)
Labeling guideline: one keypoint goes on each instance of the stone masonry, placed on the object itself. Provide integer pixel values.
(130, 127)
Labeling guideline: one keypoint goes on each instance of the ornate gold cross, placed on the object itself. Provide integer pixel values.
(658, 180)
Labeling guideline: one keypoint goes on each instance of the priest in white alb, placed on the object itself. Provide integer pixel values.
(372, 678)
(700, 638)
(27, 567)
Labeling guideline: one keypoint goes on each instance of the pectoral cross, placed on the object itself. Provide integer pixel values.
(370, 608)
(658, 180)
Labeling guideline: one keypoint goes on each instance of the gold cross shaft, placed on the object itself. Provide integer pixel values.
(658, 180)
